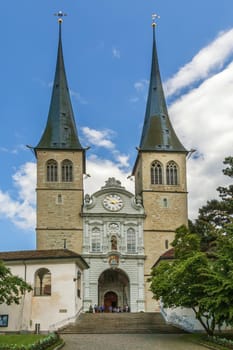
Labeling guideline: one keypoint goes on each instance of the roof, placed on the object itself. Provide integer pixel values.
(51, 254)
(158, 133)
(60, 131)
(168, 255)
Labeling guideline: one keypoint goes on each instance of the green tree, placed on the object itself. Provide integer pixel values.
(219, 289)
(201, 276)
(217, 213)
(11, 287)
(181, 283)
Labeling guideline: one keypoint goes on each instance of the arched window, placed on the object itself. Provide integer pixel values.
(42, 282)
(172, 173)
(67, 171)
(51, 170)
(95, 240)
(156, 173)
(131, 240)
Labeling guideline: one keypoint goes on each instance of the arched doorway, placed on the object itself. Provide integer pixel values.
(113, 289)
(110, 301)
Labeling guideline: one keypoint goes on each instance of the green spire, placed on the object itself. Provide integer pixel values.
(158, 133)
(60, 131)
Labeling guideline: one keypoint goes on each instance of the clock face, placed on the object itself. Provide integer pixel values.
(113, 202)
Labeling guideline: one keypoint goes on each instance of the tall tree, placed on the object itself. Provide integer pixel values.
(201, 276)
(219, 289)
(181, 282)
(219, 212)
(216, 214)
(11, 287)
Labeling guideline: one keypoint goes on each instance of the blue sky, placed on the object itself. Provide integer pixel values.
(107, 51)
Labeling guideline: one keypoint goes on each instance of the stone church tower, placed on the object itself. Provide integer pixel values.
(119, 234)
(60, 169)
(160, 174)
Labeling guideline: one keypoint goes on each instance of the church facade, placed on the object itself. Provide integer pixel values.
(119, 234)
(112, 237)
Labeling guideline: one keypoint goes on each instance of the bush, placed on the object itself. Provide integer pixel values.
(221, 341)
(41, 344)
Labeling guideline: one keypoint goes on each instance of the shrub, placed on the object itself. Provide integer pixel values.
(41, 344)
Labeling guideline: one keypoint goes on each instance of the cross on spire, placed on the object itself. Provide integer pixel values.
(60, 14)
(154, 17)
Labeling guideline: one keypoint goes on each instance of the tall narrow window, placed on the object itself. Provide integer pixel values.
(172, 173)
(51, 170)
(131, 241)
(156, 173)
(67, 171)
(42, 282)
(95, 240)
(165, 202)
(59, 199)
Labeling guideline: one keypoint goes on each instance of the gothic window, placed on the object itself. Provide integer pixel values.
(172, 173)
(95, 240)
(52, 170)
(113, 243)
(131, 241)
(156, 173)
(165, 202)
(42, 282)
(67, 171)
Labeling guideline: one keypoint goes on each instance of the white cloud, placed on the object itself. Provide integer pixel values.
(100, 138)
(116, 53)
(16, 150)
(206, 61)
(141, 88)
(203, 119)
(100, 170)
(78, 97)
(21, 211)
(141, 85)
(122, 159)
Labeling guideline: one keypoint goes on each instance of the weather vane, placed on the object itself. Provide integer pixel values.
(154, 16)
(60, 14)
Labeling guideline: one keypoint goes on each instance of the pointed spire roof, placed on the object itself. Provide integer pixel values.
(60, 131)
(158, 133)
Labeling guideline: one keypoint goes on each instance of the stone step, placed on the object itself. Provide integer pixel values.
(120, 323)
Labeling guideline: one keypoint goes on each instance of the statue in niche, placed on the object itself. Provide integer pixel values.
(138, 200)
(87, 199)
(113, 243)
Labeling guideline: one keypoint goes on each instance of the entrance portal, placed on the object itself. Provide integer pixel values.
(114, 289)
(110, 301)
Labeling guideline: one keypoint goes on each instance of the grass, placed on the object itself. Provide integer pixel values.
(203, 340)
(20, 339)
(26, 339)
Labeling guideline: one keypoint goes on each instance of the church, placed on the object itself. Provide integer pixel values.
(98, 248)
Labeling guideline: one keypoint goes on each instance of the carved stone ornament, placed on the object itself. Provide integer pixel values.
(114, 227)
(113, 261)
(112, 182)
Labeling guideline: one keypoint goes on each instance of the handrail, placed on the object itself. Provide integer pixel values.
(55, 326)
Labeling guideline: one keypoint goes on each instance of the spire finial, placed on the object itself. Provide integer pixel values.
(154, 16)
(60, 14)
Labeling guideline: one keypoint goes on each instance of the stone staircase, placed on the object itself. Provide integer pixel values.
(119, 323)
